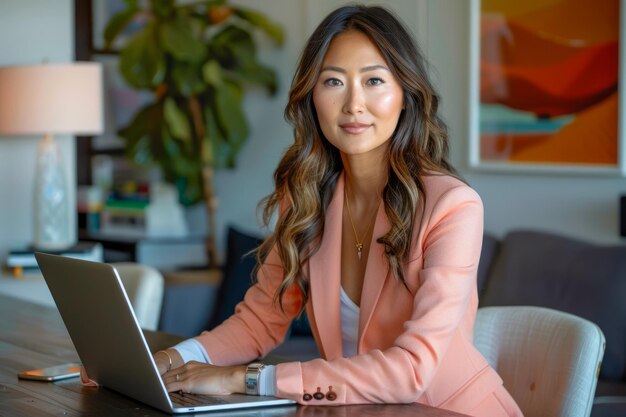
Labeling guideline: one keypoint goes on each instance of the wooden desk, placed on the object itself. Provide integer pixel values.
(34, 336)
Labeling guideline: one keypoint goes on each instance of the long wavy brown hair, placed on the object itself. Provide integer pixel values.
(307, 174)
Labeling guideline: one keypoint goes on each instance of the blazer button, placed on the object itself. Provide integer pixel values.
(307, 396)
(330, 395)
(318, 395)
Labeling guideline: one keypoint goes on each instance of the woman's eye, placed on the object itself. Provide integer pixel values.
(375, 81)
(332, 82)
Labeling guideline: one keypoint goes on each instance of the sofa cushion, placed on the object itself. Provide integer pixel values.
(588, 280)
(186, 308)
(490, 248)
(612, 407)
(238, 277)
(607, 388)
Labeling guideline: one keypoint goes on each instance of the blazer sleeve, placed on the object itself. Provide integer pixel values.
(259, 324)
(451, 244)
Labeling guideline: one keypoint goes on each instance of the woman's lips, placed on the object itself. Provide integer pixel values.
(354, 128)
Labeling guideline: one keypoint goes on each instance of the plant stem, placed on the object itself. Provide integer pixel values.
(207, 181)
(211, 207)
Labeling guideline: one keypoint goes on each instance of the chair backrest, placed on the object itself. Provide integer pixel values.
(549, 360)
(144, 286)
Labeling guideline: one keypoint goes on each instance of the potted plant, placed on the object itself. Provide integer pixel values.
(197, 58)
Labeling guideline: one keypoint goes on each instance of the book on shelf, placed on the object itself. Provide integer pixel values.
(22, 258)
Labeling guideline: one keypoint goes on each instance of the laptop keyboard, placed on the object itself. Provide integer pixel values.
(195, 400)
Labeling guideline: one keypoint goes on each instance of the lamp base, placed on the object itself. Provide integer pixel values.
(51, 210)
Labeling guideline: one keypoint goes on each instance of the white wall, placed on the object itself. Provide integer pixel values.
(31, 31)
(579, 206)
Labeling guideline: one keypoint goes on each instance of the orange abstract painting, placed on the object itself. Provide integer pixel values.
(548, 78)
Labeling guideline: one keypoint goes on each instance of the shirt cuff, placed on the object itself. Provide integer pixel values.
(192, 350)
(267, 381)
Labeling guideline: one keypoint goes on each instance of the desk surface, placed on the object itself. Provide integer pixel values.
(33, 336)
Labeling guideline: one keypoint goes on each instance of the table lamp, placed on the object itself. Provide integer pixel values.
(51, 99)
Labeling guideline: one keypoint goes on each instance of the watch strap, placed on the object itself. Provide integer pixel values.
(253, 374)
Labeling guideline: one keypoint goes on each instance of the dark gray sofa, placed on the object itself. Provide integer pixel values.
(523, 268)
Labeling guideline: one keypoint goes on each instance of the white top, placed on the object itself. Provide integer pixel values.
(349, 325)
(192, 350)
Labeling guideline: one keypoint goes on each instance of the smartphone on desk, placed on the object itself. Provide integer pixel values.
(52, 373)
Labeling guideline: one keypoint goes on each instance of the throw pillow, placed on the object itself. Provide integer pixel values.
(237, 273)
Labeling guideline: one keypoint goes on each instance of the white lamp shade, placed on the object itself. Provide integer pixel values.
(51, 98)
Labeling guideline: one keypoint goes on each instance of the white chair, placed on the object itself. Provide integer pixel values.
(549, 360)
(144, 287)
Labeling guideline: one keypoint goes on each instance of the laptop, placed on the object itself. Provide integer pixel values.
(100, 321)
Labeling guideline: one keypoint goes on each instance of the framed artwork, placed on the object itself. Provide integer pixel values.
(544, 91)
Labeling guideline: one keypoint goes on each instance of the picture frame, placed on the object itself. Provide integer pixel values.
(544, 98)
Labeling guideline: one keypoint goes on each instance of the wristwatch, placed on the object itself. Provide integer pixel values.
(253, 372)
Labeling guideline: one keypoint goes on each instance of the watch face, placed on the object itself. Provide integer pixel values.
(252, 378)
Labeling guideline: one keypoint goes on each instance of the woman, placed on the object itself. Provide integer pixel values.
(376, 239)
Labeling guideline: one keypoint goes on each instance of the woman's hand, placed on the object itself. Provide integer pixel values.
(162, 360)
(201, 378)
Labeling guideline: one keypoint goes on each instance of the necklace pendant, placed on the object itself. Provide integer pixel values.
(359, 250)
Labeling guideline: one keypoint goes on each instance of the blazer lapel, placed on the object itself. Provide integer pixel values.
(376, 273)
(325, 277)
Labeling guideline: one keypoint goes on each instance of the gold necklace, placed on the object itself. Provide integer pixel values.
(359, 242)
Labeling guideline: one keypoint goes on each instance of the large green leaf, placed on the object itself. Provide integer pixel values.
(117, 24)
(206, 3)
(162, 8)
(143, 129)
(182, 161)
(212, 72)
(182, 168)
(178, 39)
(264, 76)
(230, 117)
(215, 150)
(273, 30)
(188, 80)
(190, 189)
(233, 47)
(176, 120)
(255, 74)
(142, 62)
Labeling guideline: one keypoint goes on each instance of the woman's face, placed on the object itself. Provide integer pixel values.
(357, 98)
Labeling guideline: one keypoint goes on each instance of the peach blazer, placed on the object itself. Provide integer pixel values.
(414, 345)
